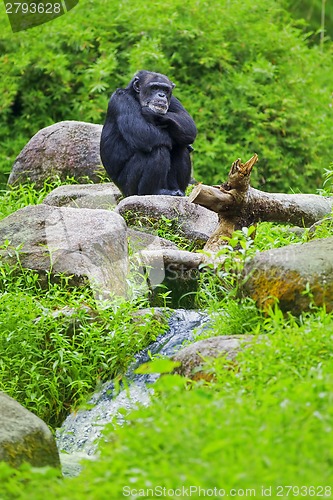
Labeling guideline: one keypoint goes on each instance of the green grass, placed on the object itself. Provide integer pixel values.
(265, 421)
(51, 360)
(16, 197)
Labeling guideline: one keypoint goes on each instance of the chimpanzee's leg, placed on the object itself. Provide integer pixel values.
(180, 170)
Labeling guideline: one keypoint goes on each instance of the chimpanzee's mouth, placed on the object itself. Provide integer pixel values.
(160, 108)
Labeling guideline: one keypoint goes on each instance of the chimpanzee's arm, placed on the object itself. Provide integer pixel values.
(178, 123)
(135, 129)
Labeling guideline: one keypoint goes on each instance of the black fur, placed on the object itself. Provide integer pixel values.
(145, 142)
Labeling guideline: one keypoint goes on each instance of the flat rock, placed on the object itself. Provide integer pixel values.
(194, 357)
(140, 241)
(195, 222)
(176, 270)
(104, 196)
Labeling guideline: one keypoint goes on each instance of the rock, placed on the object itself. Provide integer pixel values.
(285, 273)
(194, 357)
(177, 272)
(140, 240)
(156, 261)
(67, 148)
(79, 242)
(25, 437)
(326, 223)
(103, 196)
(296, 230)
(195, 222)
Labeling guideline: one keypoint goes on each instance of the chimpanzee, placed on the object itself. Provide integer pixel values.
(147, 136)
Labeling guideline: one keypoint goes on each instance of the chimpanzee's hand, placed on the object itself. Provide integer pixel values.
(155, 118)
(148, 114)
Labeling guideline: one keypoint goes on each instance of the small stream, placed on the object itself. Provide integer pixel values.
(79, 434)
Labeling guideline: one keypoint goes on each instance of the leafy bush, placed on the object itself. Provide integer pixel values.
(244, 71)
(312, 12)
(52, 357)
(266, 424)
(56, 345)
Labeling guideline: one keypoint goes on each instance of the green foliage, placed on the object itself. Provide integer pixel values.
(158, 365)
(268, 423)
(328, 181)
(244, 71)
(269, 235)
(162, 226)
(52, 357)
(232, 316)
(15, 197)
(57, 343)
(170, 229)
(312, 12)
(322, 229)
(222, 273)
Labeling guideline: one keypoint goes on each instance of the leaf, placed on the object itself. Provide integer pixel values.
(158, 365)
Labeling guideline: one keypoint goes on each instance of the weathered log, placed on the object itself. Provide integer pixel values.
(239, 205)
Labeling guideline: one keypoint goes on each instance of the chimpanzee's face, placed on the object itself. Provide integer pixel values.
(154, 91)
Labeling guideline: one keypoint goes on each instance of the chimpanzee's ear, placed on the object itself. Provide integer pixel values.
(136, 85)
(173, 85)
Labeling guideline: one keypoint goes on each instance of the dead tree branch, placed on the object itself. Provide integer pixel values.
(239, 205)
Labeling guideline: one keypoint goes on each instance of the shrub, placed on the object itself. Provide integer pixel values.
(243, 70)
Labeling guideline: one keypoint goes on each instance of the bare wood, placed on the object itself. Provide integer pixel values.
(219, 198)
(239, 175)
(297, 209)
(210, 197)
(239, 205)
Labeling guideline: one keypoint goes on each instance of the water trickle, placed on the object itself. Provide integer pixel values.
(78, 436)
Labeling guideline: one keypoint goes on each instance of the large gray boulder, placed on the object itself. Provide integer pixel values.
(194, 222)
(65, 149)
(297, 275)
(78, 242)
(25, 437)
(104, 196)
